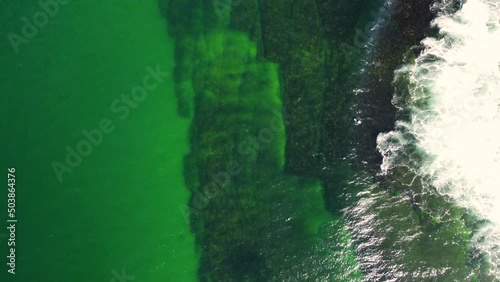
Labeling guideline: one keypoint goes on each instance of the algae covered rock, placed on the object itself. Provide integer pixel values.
(286, 100)
(252, 222)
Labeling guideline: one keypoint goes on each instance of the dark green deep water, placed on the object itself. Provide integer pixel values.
(245, 162)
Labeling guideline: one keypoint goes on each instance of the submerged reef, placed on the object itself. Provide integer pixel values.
(286, 100)
(252, 221)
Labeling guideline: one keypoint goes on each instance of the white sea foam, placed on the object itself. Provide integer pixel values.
(454, 101)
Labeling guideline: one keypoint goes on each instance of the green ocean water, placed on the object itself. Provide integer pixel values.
(273, 173)
(118, 210)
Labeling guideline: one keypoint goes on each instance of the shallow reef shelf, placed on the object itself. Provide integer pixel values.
(287, 100)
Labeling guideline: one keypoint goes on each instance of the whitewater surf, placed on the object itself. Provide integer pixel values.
(452, 107)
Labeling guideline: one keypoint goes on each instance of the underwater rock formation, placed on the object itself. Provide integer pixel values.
(303, 37)
(252, 222)
(286, 100)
